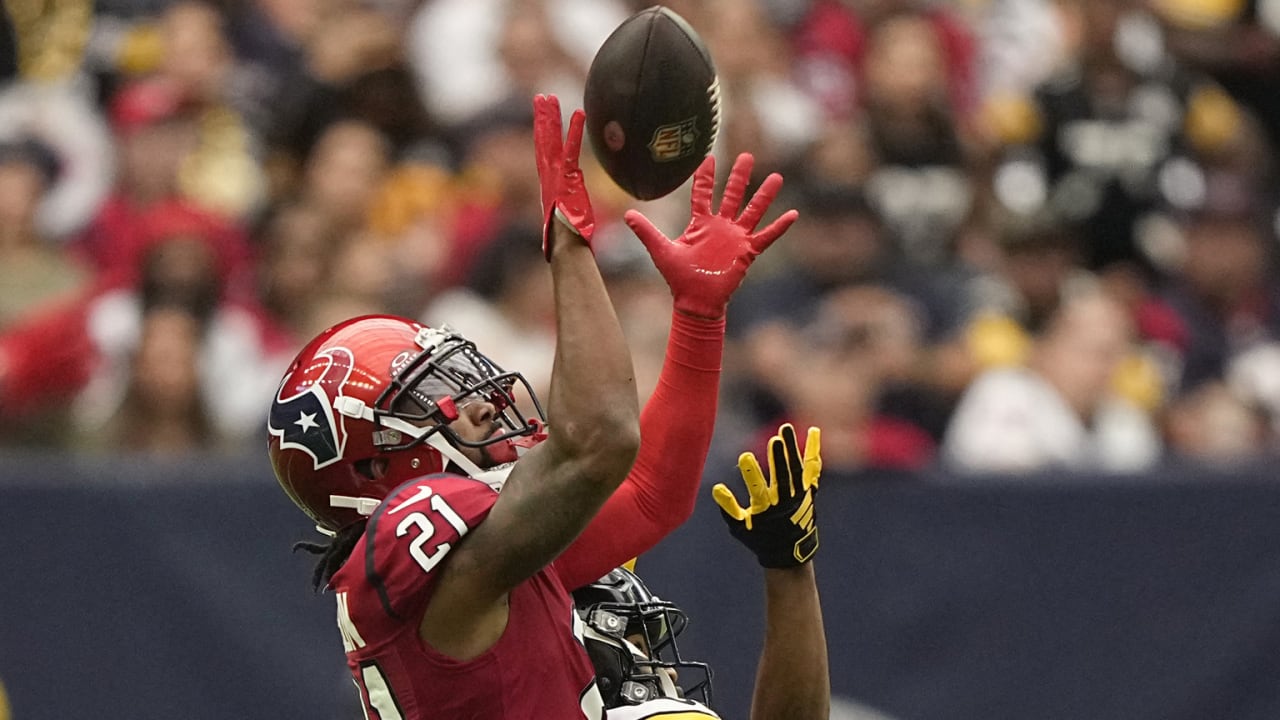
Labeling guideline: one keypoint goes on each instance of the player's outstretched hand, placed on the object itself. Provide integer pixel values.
(780, 525)
(706, 264)
(564, 195)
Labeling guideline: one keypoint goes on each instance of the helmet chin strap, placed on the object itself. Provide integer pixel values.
(494, 477)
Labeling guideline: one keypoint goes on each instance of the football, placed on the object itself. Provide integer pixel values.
(652, 102)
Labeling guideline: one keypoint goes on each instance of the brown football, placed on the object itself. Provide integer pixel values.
(652, 102)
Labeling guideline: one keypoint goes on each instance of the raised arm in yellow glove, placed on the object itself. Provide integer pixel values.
(779, 524)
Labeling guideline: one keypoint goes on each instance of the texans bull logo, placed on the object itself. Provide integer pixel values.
(306, 421)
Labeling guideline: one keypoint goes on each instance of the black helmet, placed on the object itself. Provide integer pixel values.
(630, 636)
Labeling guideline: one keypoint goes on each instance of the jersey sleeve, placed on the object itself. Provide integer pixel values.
(410, 535)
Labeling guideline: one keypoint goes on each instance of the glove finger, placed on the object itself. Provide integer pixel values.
(795, 467)
(761, 201)
(704, 182)
(779, 470)
(546, 132)
(540, 134)
(757, 485)
(736, 187)
(774, 230)
(813, 457)
(573, 143)
(654, 241)
(546, 116)
(728, 503)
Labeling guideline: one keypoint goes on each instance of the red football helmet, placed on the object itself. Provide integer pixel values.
(366, 406)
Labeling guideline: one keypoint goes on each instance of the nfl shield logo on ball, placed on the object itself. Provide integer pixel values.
(672, 142)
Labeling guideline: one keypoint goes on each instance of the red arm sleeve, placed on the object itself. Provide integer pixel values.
(675, 435)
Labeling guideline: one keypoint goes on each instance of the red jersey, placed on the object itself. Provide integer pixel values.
(538, 670)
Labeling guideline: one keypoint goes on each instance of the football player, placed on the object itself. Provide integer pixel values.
(631, 634)
(459, 524)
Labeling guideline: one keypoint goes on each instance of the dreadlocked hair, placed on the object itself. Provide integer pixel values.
(333, 553)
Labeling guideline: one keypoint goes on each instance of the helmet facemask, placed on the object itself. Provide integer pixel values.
(426, 393)
(428, 389)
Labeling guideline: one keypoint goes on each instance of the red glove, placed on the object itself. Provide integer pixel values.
(563, 193)
(706, 264)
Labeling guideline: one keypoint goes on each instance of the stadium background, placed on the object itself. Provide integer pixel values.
(1032, 303)
(152, 591)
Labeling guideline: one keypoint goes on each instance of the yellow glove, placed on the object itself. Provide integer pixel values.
(779, 525)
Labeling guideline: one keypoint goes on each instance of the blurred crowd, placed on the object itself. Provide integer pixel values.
(1034, 233)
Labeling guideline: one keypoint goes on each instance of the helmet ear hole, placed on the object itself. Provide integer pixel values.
(371, 468)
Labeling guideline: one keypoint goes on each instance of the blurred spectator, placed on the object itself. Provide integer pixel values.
(296, 57)
(162, 411)
(840, 243)
(1238, 43)
(1095, 139)
(183, 267)
(184, 53)
(1039, 256)
(222, 172)
(1038, 268)
(363, 270)
(1020, 46)
(157, 130)
(764, 110)
(63, 118)
(831, 45)
(45, 359)
(416, 215)
(838, 369)
(1214, 423)
(498, 185)
(387, 98)
(1061, 410)
(344, 171)
(51, 39)
(843, 153)
(472, 55)
(921, 185)
(157, 133)
(532, 58)
(506, 306)
(79, 349)
(196, 57)
(32, 270)
(1226, 298)
(296, 255)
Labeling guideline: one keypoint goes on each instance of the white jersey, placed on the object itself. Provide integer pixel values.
(1013, 420)
(663, 709)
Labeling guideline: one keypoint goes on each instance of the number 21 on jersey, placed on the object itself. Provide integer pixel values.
(427, 560)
